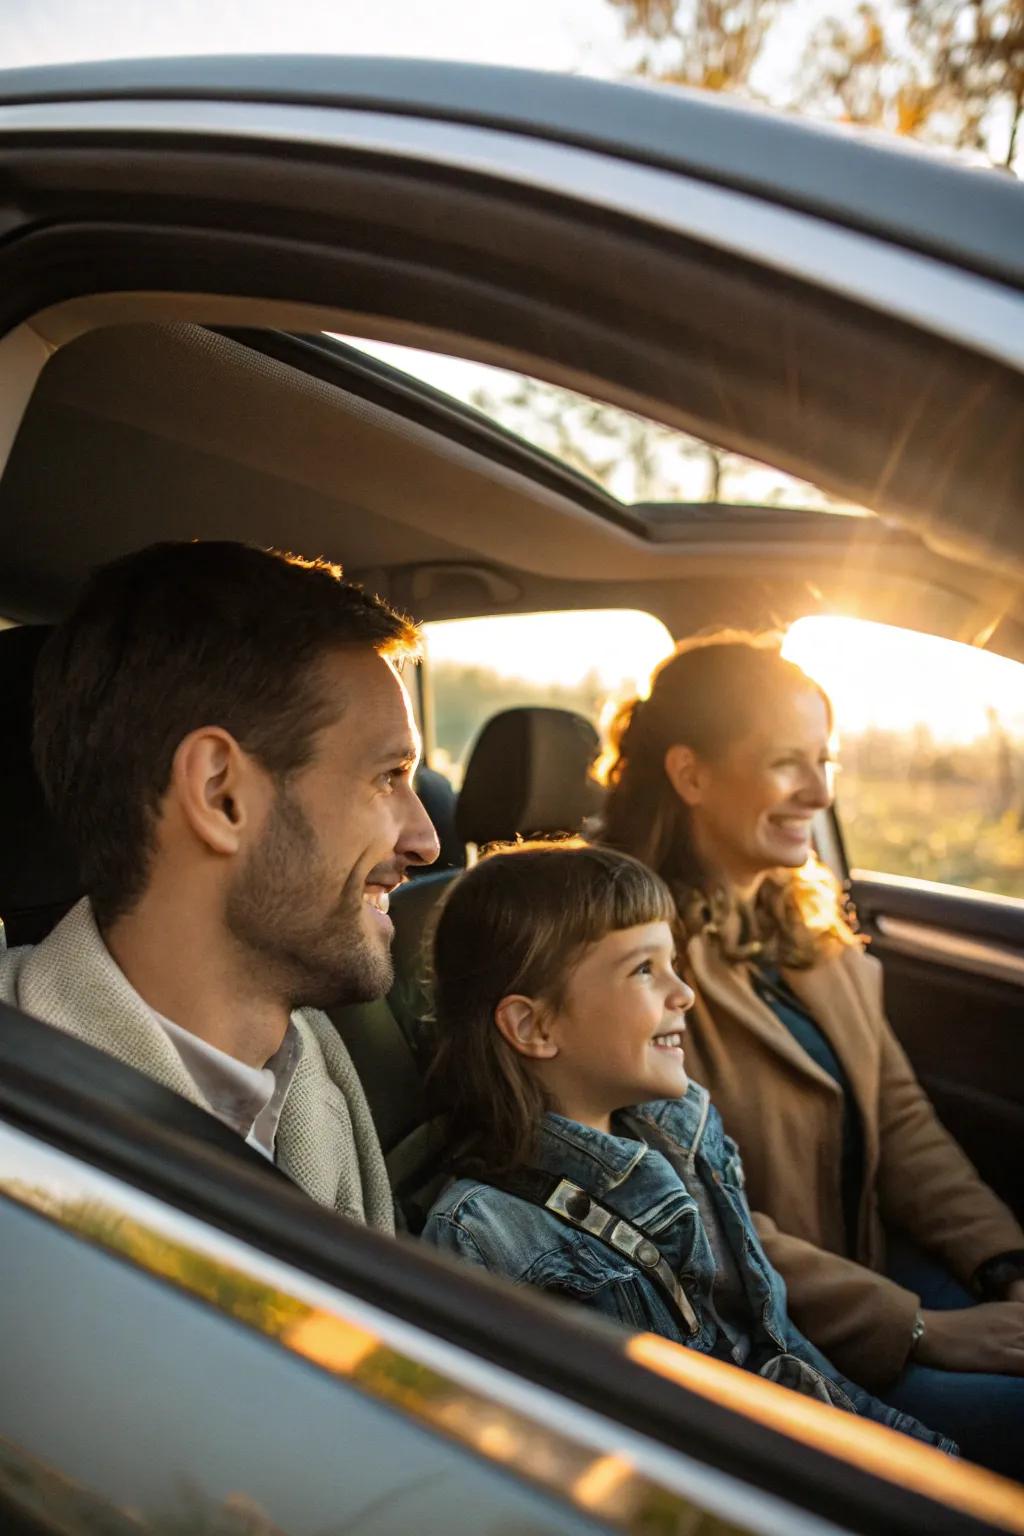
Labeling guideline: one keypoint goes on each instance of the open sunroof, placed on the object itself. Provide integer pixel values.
(638, 463)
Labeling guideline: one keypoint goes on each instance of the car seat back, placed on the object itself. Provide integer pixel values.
(39, 878)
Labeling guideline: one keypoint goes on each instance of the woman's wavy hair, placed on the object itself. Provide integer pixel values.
(517, 922)
(698, 698)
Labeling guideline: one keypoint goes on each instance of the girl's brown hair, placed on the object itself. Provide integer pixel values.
(699, 698)
(516, 923)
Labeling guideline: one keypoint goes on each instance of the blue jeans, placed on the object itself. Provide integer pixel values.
(983, 1413)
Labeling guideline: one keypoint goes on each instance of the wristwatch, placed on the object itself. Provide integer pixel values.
(917, 1333)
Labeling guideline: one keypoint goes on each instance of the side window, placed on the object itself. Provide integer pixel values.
(575, 660)
(931, 752)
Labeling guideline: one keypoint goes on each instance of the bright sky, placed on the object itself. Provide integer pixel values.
(580, 36)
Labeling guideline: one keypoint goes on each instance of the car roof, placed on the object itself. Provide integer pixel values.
(428, 518)
(915, 197)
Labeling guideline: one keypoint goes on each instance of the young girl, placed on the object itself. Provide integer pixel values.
(586, 1163)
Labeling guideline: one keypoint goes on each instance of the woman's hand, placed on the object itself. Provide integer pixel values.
(989, 1337)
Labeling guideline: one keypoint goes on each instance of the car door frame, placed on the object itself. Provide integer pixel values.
(61, 248)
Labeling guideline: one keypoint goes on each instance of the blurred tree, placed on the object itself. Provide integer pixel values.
(943, 70)
(950, 71)
(634, 459)
(711, 44)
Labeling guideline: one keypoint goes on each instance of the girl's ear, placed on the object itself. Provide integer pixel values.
(683, 771)
(524, 1024)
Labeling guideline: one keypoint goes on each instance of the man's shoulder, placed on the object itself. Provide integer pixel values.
(321, 1040)
(11, 962)
(53, 958)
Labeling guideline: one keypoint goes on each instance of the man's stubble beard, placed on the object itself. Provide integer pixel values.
(313, 951)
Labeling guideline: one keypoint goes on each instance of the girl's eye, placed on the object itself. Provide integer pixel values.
(645, 968)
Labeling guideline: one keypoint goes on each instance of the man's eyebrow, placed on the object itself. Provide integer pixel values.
(403, 752)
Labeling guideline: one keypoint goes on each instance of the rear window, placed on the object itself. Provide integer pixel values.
(584, 660)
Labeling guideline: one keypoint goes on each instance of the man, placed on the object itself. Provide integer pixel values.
(223, 738)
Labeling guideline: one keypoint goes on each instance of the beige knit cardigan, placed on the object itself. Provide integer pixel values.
(326, 1139)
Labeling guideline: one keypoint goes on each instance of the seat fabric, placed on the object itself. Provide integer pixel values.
(39, 879)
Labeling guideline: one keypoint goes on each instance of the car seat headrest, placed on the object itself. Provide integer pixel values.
(38, 875)
(528, 775)
(438, 800)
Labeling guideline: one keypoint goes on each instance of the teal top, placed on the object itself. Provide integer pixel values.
(790, 1011)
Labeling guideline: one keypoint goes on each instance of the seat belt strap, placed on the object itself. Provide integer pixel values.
(577, 1208)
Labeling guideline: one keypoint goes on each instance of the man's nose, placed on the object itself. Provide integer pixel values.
(418, 842)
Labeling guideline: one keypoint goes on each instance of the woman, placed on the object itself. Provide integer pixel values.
(714, 782)
(586, 1162)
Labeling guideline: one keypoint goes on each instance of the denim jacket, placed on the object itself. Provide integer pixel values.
(531, 1246)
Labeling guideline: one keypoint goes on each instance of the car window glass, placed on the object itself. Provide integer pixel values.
(931, 736)
(635, 460)
(581, 660)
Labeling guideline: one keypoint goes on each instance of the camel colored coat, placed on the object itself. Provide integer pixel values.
(786, 1114)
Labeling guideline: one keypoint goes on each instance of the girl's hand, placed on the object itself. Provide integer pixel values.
(989, 1337)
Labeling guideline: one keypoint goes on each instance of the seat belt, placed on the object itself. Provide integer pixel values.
(577, 1208)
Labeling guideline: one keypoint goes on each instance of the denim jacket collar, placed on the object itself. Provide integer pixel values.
(601, 1162)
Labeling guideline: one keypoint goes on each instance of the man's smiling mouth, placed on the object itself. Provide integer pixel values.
(378, 888)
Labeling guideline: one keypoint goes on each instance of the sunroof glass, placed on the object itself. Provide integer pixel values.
(636, 461)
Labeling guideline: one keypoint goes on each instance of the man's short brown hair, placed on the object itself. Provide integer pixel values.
(169, 639)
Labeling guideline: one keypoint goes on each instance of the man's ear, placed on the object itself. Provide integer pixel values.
(213, 782)
(525, 1025)
(683, 771)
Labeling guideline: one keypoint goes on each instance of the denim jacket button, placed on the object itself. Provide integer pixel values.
(578, 1206)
